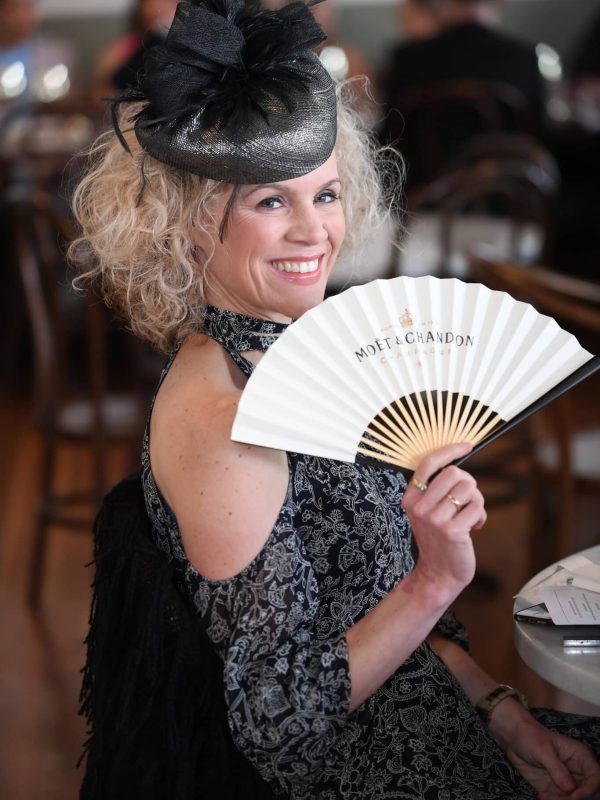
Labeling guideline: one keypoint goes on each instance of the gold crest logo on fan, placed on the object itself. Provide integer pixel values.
(407, 319)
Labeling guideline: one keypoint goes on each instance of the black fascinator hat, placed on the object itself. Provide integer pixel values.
(237, 94)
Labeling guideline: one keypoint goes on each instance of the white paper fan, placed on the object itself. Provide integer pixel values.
(396, 368)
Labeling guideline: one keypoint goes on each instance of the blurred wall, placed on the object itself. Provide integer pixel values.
(370, 24)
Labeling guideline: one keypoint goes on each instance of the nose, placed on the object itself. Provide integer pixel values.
(306, 225)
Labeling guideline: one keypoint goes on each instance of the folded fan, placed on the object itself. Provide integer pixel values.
(396, 368)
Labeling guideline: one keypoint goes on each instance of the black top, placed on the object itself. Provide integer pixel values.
(340, 543)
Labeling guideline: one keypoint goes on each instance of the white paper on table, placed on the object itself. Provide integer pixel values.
(573, 571)
(569, 605)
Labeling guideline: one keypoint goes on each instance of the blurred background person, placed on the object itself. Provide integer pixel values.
(343, 60)
(453, 40)
(33, 65)
(120, 62)
(577, 146)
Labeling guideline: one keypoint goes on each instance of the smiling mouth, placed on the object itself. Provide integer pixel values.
(302, 267)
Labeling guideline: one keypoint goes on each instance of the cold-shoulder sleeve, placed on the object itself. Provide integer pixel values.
(287, 690)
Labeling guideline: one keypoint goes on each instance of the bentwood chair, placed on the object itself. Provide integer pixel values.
(73, 395)
(513, 192)
(566, 446)
(430, 124)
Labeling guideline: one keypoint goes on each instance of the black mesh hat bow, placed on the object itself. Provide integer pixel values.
(237, 94)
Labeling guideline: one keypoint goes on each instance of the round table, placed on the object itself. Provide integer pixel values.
(575, 670)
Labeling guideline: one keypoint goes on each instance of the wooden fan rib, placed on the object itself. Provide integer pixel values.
(455, 417)
(374, 447)
(388, 460)
(406, 427)
(464, 417)
(421, 442)
(448, 411)
(469, 420)
(409, 436)
(406, 439)
(478, 420)
(439, 398)
(388, 443)
(489, 428)
(425, 421)
(430, 418)
(400, 433)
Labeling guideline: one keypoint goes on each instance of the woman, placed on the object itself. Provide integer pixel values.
(219, 223)
(119, 63)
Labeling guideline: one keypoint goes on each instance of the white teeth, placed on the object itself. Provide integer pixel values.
(296, 266)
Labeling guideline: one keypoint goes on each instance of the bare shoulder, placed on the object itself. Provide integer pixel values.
(226, 495)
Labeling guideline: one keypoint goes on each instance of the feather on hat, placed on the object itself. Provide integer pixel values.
(237, 94)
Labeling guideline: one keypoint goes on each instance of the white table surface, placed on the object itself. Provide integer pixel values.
(575, 670)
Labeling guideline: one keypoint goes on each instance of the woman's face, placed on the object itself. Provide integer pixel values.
(280, 245)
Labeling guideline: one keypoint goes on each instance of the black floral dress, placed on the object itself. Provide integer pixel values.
(340, 543)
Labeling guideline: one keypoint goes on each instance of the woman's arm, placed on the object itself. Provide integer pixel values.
(553, 764)
(383, 639)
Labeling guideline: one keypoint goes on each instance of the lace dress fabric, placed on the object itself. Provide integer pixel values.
(340, 543)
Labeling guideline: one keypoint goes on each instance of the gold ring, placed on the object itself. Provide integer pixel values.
(454, 501)
(420, 485)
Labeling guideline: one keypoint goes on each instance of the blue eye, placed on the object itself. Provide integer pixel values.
(328, 196)
(271, 202)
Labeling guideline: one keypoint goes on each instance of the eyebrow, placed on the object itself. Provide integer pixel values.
(280, 187)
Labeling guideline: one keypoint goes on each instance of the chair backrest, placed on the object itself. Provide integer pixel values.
(505, 179)
(512, 145)
(431, 123)
(41, 233)
(74, 394)
(573, 301)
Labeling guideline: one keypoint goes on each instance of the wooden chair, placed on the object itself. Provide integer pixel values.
(566, 447)
(429, 124)
(513, 145)
(506, 178)
(72, 397)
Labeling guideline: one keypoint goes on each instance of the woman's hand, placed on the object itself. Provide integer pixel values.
(555, 765)
(442, 513)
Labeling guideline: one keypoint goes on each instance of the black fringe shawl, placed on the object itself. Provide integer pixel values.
(152, 690)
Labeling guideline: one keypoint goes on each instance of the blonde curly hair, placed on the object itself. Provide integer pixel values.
(136, 214)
